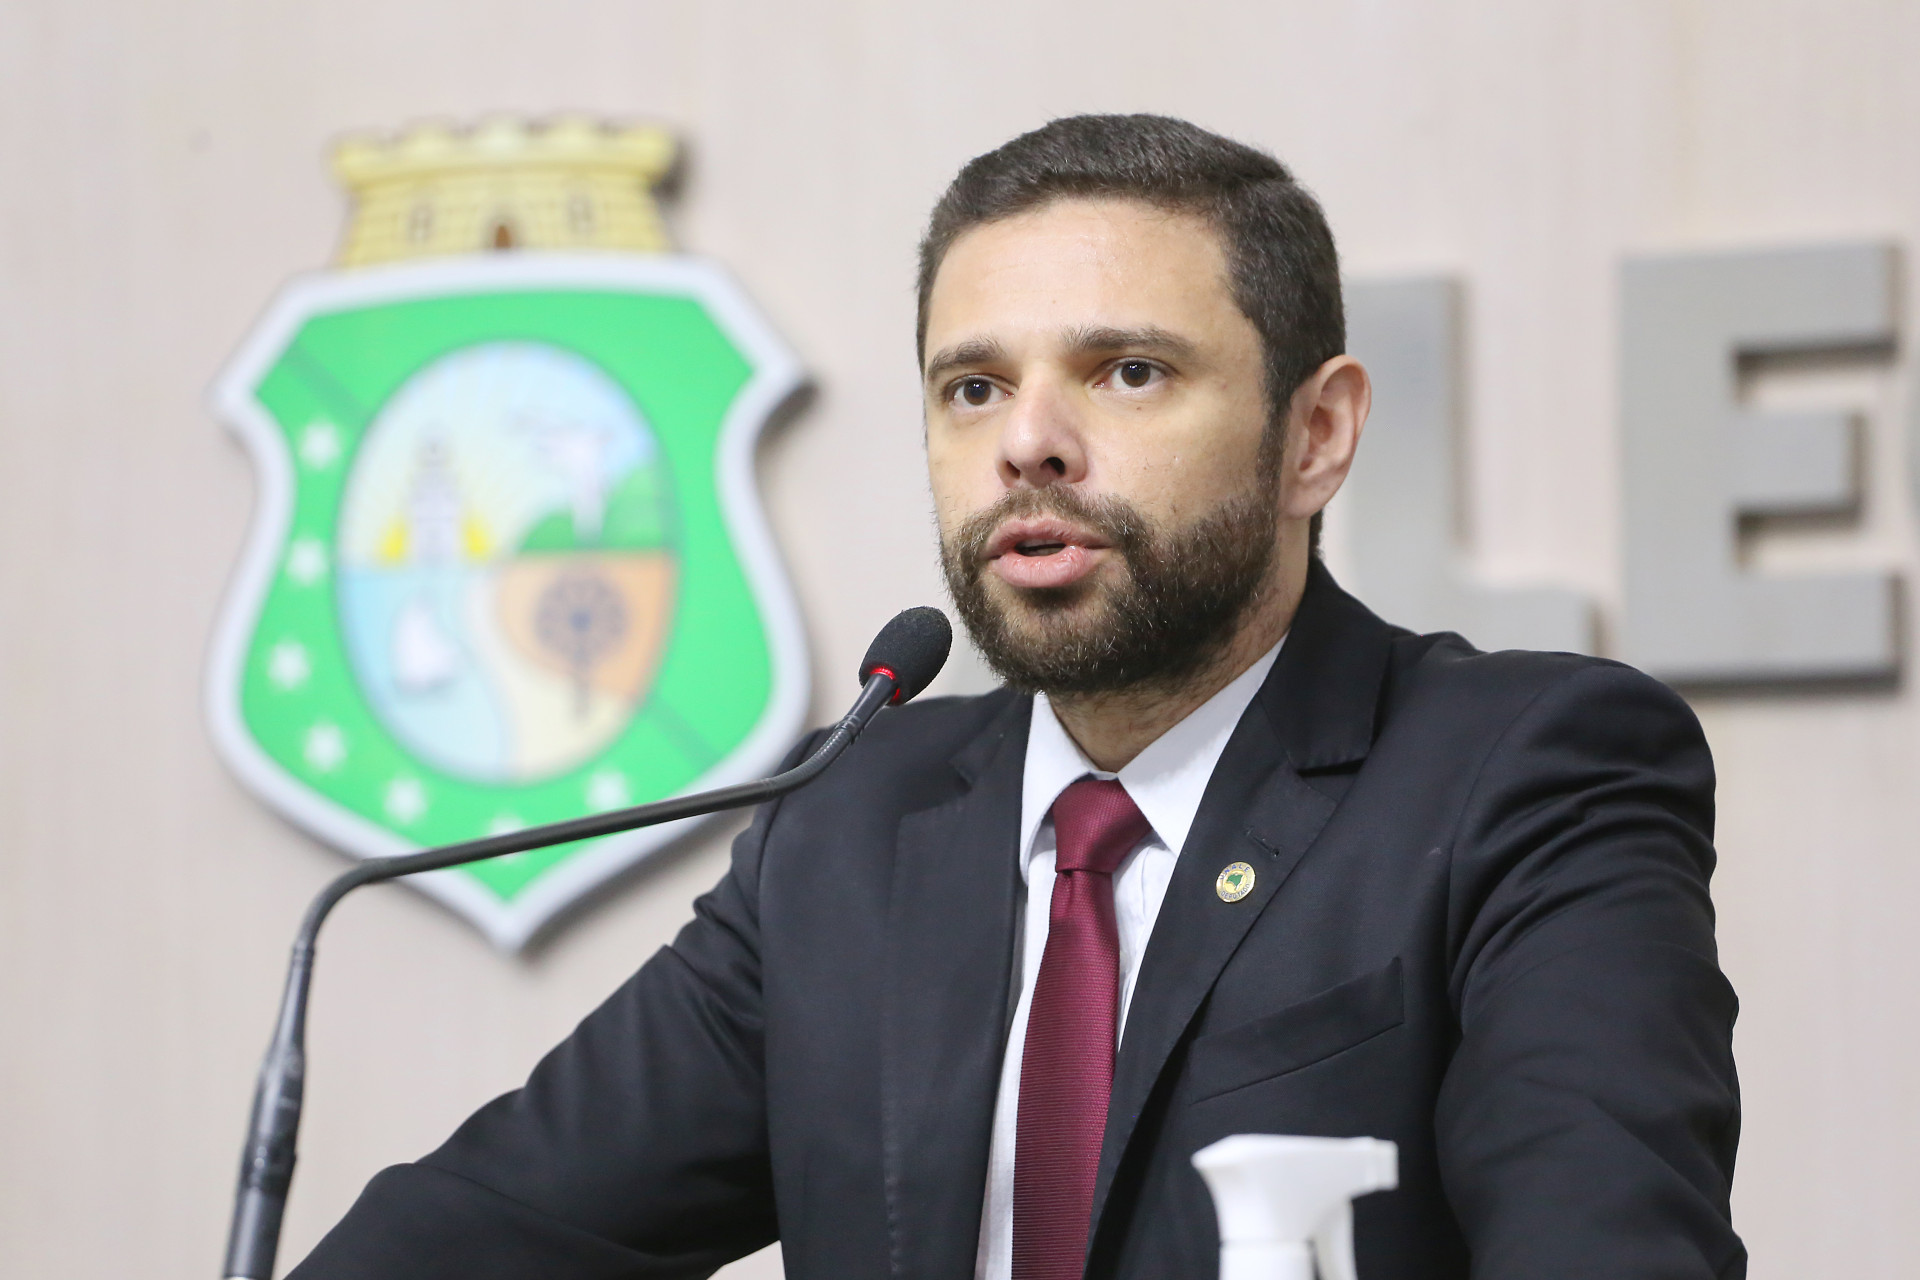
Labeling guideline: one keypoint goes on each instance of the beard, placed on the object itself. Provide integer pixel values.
(1186, 588)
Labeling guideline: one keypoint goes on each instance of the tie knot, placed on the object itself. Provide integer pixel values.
(1095, 826)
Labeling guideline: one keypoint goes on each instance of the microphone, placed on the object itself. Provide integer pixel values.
(912, 649)
(903, 660)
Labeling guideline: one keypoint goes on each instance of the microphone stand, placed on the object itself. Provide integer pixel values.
(266, 1164)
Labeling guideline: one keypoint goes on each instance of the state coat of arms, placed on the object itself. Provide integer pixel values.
(508, 563)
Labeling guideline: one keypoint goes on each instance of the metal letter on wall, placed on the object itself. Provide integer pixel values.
(1695, 462)
(1400, 500)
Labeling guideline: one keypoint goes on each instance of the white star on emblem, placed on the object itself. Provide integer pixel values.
(406, 800)
(288, 666)
(307, 561)
(320, 445)
(325, 747)
(607, 789)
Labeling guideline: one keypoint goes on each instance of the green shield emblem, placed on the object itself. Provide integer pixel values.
(509, 563)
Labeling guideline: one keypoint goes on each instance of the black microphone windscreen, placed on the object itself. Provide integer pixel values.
(913, 646)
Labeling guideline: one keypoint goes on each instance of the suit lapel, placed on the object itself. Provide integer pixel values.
(1316, 710)
(949, 966)
(1255, 812)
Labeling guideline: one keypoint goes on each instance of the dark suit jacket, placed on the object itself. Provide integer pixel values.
(1480, 927)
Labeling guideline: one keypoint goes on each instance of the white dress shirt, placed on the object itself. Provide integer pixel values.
(1166, 781)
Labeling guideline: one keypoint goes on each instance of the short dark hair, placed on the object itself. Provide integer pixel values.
(1281, 262)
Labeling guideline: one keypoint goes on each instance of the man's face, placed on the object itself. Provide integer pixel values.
(1096, 408)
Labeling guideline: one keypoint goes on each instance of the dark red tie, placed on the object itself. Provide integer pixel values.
(1066, 1072)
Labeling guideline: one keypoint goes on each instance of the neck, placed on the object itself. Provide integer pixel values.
(1114, 727)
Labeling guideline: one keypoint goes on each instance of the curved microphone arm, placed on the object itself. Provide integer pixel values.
(266, 1165)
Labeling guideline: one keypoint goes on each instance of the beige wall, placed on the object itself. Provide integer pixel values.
(161, 175)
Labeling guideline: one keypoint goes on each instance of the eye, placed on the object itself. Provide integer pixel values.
(977, 392)
(1135, 373)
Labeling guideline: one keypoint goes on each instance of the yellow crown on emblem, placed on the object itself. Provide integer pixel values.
(568, 183)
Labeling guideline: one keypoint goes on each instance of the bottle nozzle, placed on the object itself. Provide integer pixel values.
(1285, 1204)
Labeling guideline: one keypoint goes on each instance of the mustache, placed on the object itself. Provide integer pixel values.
(1184, 588)
(1115, 520)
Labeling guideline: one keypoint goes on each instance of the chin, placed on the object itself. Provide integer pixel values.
(1043, 620)
(1044, 609)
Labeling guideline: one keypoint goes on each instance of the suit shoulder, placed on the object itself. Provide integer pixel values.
(940, 725)
(908, 747)
(1443, 670)
(1516, 727)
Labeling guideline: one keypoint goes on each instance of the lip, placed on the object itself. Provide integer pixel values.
(1009, 536)
(1078, 553)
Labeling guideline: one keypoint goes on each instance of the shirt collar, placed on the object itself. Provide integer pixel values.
(1167, 779)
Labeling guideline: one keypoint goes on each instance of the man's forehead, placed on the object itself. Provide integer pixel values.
(1074, 233)
(1075, 267)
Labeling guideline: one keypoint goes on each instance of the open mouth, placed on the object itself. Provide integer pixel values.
(1041, 536)
(1043, 552)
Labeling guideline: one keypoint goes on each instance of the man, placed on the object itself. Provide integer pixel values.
(1228, 855)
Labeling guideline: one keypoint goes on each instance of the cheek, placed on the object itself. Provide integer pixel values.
(961, 477)
(1182, 475)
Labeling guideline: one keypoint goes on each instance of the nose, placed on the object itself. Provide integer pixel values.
(1040, 440)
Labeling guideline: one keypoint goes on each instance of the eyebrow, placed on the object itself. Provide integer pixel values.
(1103, 340)
(1090, 341)
(972, 351)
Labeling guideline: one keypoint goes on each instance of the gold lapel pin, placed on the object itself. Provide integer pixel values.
(1235, 882)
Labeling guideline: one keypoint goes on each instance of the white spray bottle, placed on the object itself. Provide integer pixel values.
(1286, 1204)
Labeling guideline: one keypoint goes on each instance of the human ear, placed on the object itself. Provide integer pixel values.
(1324, 421)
